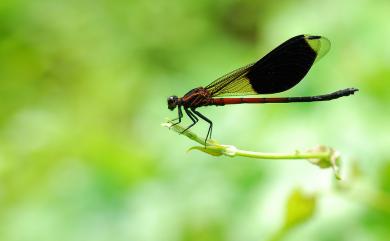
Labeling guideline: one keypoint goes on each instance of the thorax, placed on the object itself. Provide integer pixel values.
(196, 97)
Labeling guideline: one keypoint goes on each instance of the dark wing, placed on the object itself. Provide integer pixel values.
(278, 71)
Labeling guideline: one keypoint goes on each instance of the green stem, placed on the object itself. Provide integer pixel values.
(323, 157)
(295, 155)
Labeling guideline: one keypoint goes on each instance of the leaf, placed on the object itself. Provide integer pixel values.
(384, 177)
(299, 208)
(214, 151)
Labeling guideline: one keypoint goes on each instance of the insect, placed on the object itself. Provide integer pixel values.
(278, 71)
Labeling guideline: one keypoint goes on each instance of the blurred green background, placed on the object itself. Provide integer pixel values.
(83, 92)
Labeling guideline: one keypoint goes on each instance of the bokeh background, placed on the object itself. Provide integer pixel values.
(83, 88)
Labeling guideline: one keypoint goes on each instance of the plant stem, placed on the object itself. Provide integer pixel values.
(321, 156)
(212, 147)
(287, 156)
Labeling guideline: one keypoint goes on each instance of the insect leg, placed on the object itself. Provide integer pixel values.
(192, 117)
(178, 118)
(209, 132)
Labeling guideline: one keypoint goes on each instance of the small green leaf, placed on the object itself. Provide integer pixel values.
(299, 208)
(384, 177)
(214, 151)
(330, 161)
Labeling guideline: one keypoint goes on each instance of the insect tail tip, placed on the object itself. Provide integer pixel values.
(349, 91)
(353, 90)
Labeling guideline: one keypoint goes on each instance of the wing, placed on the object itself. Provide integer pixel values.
(278, 71)
(233, 83)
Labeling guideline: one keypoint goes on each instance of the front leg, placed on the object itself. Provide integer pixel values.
(178, 118)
